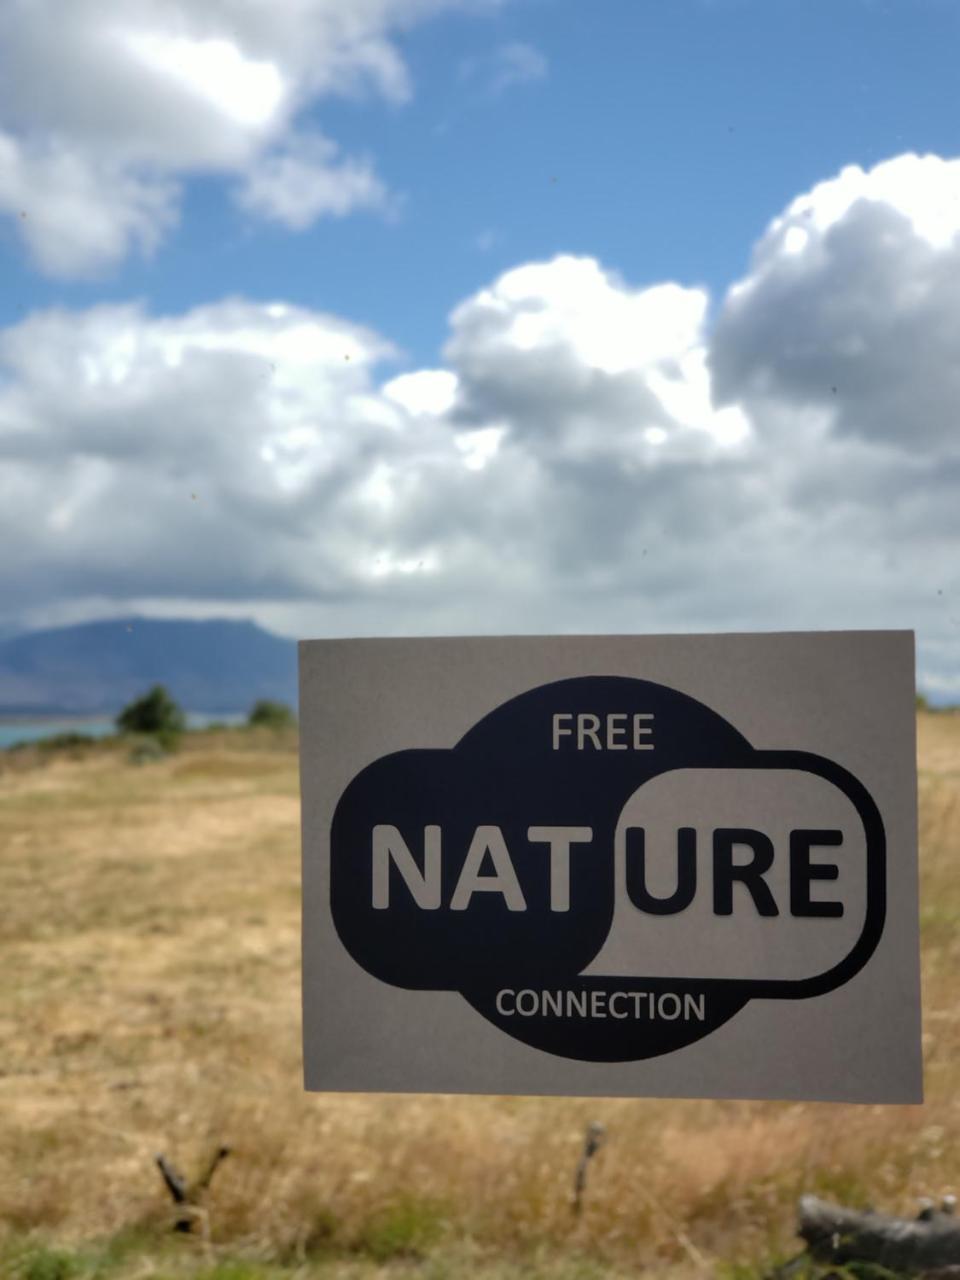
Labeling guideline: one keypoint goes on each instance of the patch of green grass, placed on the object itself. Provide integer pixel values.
(740, 1271)
(806, 1268)
(405, 1229)
(764, 1268)
(70, 742)
(939, 921)
(232, 1270)
(41, 1262)
(390, 1248)
(134, 1255)
(867, 1271)
(128, 1254)
(127, 1247)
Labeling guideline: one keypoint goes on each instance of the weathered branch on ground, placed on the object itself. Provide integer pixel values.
(187, 1196)
(923, 1245)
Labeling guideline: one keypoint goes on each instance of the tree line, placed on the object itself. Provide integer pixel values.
(158, 715)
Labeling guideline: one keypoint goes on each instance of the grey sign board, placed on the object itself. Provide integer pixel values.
(675, 866)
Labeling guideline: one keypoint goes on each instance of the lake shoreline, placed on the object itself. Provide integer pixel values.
(17, 730)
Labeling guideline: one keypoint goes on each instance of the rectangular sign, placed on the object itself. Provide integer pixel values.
(675, 866)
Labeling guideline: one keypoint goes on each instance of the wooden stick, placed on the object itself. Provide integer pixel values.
(591, 1145)
(188, 1196)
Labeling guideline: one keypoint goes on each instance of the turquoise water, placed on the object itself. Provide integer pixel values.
(13, 731)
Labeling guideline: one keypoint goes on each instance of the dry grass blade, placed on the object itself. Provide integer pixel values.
(150, 927)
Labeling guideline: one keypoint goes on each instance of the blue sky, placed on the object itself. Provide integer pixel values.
(661, 137)
(671, 285)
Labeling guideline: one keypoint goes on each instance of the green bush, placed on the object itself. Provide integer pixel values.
(42, 1263)
(66, 741)
(155, 714)
(273, 715)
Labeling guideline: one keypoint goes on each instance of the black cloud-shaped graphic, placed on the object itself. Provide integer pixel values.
(506, 773)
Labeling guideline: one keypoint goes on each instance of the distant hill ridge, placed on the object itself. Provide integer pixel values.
(97, 667)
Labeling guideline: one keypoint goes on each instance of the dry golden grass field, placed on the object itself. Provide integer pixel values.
(150, 1002)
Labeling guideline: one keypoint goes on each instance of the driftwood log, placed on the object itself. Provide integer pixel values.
(927, 1244)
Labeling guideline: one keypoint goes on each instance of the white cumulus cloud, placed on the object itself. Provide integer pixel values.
(307, 179)
(79, 215)
(593, 455)
(107, 109)
(851, 307)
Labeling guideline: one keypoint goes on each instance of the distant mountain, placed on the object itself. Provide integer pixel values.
(100, 666)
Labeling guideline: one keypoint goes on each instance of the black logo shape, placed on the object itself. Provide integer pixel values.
(507, 773)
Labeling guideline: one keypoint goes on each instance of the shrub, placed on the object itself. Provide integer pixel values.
(148, 751)
(70, 741)
(42, 1263)
(274, 715)
(155, 714)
